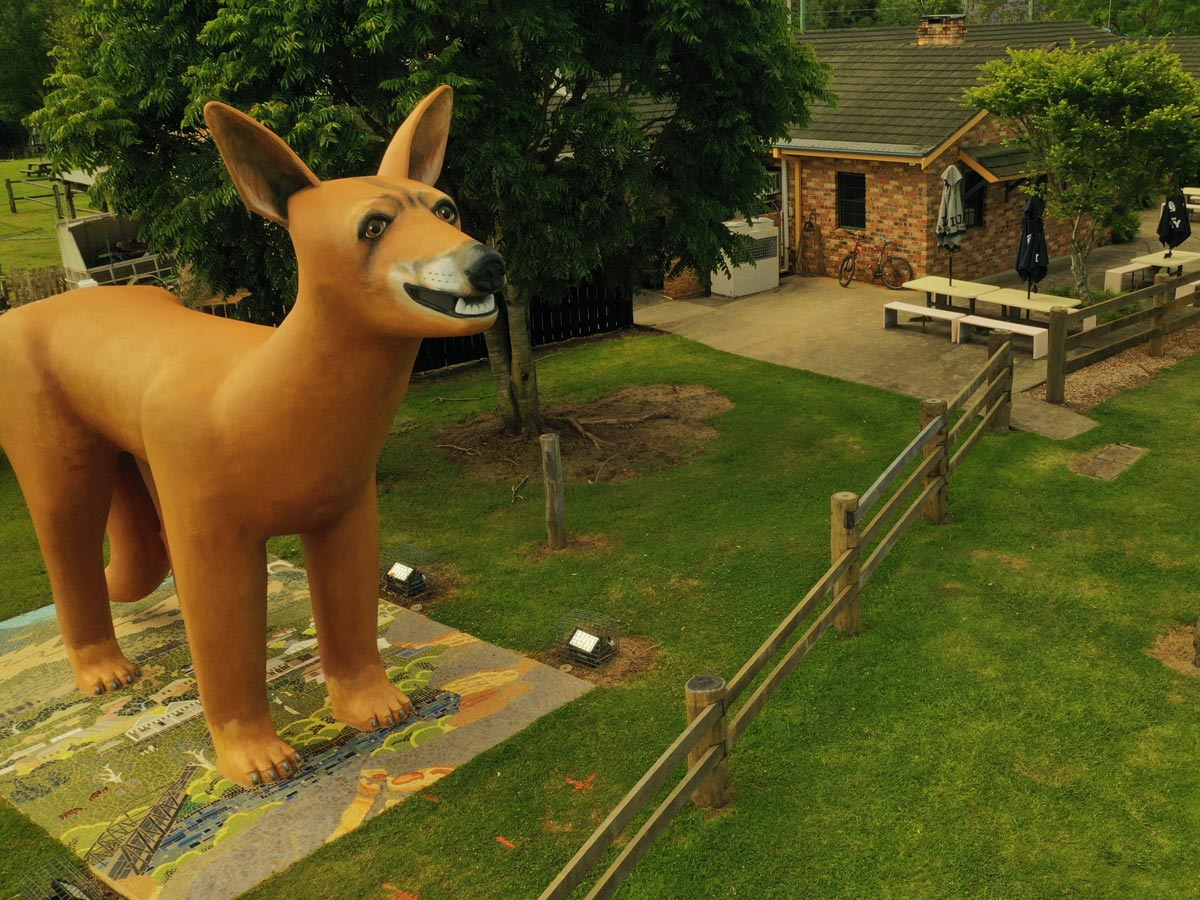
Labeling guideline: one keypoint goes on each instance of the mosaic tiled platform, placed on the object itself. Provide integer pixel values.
(127, 780)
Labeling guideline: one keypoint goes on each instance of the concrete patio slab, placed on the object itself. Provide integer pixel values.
(816, 325)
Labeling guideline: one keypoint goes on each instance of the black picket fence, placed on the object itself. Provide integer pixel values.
(594, 307)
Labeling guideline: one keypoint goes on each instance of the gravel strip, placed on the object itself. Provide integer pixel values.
(1134, 367)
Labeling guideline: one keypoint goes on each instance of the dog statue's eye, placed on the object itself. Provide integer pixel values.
(373, 228)
(446, 211)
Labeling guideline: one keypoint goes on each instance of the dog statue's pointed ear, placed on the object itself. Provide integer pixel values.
(265, 170)
(419, 147)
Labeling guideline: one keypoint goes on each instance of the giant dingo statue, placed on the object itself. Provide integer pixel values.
(191, 439)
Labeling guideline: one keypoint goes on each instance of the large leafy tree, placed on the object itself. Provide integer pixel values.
(1143, 18)
(1107, 126)
(586, 133)
(25, 42)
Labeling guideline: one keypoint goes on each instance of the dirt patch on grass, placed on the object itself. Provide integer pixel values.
(583, 544)
(1177, 649)
(1016, 563)
(636, 655)
(1131, 368)
(635, 429)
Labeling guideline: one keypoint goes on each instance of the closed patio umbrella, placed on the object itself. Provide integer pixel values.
(951, 221)
(1173, 225)
(1033, 256)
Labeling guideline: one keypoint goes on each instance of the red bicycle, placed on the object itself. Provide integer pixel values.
(893, 271)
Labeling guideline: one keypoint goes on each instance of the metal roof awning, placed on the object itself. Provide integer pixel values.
(998, 162)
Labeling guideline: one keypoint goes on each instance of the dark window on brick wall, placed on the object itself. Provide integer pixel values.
(851, 200)
(974, 195)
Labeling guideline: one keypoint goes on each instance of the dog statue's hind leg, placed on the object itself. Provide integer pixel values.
(138, 560)
(67, 479)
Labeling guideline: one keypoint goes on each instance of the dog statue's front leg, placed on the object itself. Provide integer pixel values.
(342, 560)
(221, 577)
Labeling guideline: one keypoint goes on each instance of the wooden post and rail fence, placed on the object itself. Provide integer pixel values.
(1143, 316)
(858, 545)
(57, 195)
(20, 286)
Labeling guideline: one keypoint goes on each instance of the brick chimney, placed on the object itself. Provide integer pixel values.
(942, 30)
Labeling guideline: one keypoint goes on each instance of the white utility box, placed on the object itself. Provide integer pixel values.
(762, 273)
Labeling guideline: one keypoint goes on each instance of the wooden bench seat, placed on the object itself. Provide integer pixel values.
(891, 315)
(968, 324)
(1114, 279)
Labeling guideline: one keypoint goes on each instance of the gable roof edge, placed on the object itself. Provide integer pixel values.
(945, 145)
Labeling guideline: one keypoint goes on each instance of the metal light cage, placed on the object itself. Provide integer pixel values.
(60, 880)
(404, 579)
(589, 638)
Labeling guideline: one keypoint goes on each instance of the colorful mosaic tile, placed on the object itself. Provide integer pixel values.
(127, 780)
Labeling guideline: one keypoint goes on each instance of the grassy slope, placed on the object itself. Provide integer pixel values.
(998, 730)
(27, 239)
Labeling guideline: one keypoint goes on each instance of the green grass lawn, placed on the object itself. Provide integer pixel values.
(28, 238)
(998, 731)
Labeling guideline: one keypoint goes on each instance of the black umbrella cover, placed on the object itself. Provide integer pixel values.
(1033, 256)
(1173, 225)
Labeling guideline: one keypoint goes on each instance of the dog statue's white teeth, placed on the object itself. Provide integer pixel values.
(481, 307)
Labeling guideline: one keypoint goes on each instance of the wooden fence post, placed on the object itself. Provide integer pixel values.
(12, 201)
(939, 503)
(1158, 317)
(1056, 356)
(556, 523)
(701, 692)
(843, 536)
(998, 338)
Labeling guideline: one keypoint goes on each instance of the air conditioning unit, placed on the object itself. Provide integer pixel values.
(762, 273)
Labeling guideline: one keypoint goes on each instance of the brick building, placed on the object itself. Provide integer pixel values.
(873, 163)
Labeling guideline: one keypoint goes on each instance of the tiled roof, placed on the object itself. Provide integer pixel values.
(895, 97)
(1188, 49)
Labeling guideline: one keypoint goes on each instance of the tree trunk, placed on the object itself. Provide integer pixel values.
(510, 354)
(500, 360)
(1083, 239)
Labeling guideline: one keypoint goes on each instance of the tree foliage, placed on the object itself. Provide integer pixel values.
(25, 41)
(1138, 18)
(1107, 126)
(584, 132)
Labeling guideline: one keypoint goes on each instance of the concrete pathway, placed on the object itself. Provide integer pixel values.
(817, 325)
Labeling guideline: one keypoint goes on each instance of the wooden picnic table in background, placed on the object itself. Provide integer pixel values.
(38, 168)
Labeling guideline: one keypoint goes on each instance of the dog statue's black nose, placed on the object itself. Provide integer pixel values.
(485, 270)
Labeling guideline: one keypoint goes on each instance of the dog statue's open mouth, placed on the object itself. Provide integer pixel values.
(453, 304)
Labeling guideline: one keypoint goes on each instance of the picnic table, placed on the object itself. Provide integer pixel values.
(39, 168)
(1173, 263)
(935, 286)
(1015, 298)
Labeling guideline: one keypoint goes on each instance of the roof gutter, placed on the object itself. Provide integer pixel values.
(881, 155)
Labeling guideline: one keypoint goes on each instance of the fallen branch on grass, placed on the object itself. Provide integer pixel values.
(516, 487)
